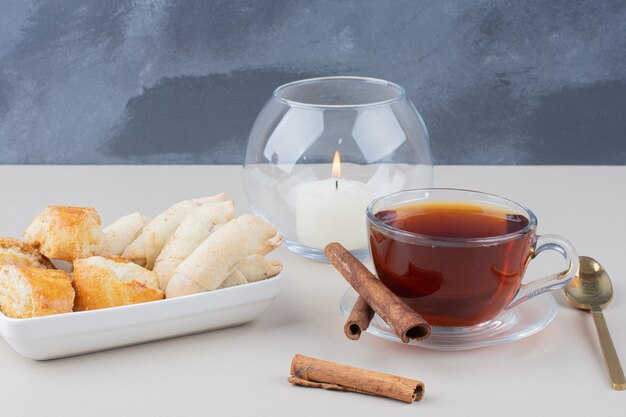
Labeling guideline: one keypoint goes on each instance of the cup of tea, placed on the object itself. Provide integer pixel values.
(457, 257)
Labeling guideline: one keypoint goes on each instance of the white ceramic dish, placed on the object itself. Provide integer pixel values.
(70, 334)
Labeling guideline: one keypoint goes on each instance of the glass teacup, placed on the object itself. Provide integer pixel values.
(458, 257)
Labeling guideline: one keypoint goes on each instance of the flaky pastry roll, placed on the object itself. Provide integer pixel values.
(32, 292)
(121, 233)
(191, 232)
(147, 246)
(251, 269)
(66, 233)
(109, 282)
(17, 253)
(219, 255)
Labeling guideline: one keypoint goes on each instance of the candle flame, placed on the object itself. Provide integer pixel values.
(337, 165)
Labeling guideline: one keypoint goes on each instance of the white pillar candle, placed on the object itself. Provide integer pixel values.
(332, 210)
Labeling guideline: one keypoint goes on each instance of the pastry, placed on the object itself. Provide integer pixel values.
(194, 246)
(261, 238)
(218, 256)
(14, 252)
(252, 269)
(257, 268)
(66, 233)
(119, 234)
(32, 292)
(191, 232)
(147, 246)
(109, 282)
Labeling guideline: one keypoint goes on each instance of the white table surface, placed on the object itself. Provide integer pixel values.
(243, 370)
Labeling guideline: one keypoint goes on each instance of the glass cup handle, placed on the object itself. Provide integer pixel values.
(551, 282)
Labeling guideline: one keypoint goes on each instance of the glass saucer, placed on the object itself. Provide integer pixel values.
(522, 321)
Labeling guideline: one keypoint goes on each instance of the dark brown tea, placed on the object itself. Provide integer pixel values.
(451, 282)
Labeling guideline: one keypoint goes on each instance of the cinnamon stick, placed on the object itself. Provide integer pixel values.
(358, 320)
(404, 321)
(316, 373)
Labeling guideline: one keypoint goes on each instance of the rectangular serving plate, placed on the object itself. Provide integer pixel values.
(69, 334)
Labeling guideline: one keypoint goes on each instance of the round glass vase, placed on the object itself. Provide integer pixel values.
(321, 149)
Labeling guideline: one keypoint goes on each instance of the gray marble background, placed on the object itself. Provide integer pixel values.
(172, 81)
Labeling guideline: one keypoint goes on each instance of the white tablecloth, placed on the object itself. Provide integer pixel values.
(243, 370)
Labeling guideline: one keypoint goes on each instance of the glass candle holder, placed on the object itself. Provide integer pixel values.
(321, 149)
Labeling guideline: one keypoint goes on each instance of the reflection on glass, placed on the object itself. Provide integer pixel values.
(383, 147)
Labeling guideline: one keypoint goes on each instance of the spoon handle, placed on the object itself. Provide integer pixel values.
(608, 349)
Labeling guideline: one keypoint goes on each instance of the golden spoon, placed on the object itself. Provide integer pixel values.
(591, 289)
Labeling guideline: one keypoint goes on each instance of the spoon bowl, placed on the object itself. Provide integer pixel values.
(591, 285)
